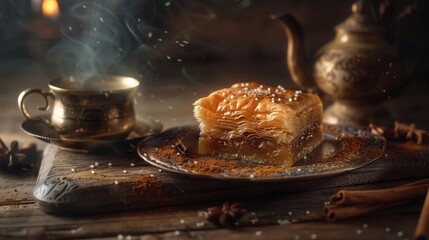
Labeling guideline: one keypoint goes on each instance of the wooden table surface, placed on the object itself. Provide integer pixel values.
(292, 215)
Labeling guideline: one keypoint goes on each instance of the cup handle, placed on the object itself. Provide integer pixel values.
(27, 92)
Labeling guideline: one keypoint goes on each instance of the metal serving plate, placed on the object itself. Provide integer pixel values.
(343, 149)
(145, 126)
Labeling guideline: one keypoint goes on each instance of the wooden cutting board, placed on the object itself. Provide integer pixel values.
(78, 183)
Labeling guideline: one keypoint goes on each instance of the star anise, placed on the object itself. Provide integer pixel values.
(17, 159)
(225, 215)
(400, 132)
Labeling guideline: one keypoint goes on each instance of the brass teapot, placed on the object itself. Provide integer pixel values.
(358, 68)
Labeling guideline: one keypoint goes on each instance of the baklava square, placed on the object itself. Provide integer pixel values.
(259, 123)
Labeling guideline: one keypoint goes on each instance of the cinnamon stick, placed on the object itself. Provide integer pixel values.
(352, 203)
(336, 213)
(422, 229)
(382, 196)
(419, 182)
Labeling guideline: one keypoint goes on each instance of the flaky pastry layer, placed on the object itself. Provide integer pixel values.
(235, 121)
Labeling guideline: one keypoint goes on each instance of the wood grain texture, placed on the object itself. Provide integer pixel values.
(116, 182)
(281, 215)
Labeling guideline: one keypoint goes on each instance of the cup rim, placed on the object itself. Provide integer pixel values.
(59, 84)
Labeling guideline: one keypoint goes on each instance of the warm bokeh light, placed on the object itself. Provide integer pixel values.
(50, 8)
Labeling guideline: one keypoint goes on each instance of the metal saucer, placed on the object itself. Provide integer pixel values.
(146, 126)
(343, 149)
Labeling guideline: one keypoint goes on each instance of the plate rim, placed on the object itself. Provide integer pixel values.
(159, 164)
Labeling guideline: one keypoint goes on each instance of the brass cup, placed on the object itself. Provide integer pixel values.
(97, 108)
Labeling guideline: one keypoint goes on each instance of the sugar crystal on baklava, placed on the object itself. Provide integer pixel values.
(259, 123)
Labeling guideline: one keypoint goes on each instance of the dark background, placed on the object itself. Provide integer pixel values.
(181, 50)
(218, 30)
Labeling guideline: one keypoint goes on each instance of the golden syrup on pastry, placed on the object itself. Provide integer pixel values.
(259, 123)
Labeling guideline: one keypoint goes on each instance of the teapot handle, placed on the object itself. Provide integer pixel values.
(45, 94)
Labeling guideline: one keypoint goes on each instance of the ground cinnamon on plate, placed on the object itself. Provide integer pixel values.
(344, 149)
(211, 165)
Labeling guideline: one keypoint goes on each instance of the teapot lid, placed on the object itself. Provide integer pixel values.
(365, 19)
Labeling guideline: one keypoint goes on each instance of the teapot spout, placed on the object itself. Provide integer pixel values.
(300, 68)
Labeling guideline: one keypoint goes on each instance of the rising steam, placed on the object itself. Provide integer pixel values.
(94, 41)
(99, 35)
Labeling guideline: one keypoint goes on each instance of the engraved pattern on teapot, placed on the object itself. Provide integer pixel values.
(358, 68)
(345, 74)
